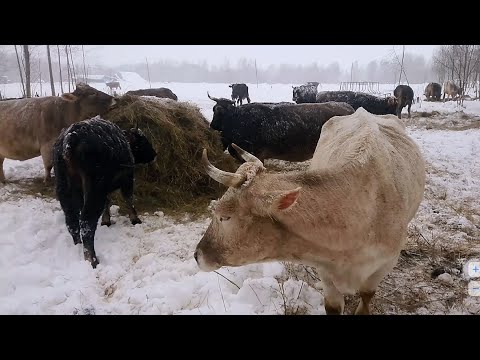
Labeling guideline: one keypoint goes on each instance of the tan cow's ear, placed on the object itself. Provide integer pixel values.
(69, 97)
(285, 200)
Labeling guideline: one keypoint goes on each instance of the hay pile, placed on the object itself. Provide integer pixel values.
(175, 182)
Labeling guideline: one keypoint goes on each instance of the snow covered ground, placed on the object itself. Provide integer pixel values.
(149, 268)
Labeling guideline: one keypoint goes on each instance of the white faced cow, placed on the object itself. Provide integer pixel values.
(347, 215)
(29, 127)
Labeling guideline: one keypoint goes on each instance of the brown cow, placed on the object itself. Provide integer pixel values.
(158, 92)
(29, 127)
(347, 215)
(113, 85)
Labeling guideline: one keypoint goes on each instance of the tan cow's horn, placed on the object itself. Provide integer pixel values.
(223, 177)
(245, 155)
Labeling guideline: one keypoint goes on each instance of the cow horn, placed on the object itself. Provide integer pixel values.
(212, 98)
(223, 177)
(245, 155)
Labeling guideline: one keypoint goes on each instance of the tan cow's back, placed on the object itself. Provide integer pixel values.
(377, 147)
(27, 123)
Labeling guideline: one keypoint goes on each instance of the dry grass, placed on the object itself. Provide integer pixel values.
(434, 120)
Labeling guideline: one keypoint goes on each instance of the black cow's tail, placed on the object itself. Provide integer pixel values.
(70, 142)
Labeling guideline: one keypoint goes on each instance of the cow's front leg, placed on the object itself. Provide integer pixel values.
(126, 190)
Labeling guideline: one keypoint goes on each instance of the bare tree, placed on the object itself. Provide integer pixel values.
(52, 85)
(60, 69)
(73, 72)
(460, 63)
(26, 55)
(20, 70)
(68, 68)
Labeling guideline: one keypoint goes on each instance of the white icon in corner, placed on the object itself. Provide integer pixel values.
(473, 269)
(474, 288)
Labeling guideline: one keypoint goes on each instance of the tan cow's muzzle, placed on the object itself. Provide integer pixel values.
(203, 263)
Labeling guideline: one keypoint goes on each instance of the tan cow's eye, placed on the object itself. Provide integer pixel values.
(224, 218)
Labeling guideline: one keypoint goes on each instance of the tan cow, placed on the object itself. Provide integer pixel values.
(29, 127)
(451, 89)
(347, 215)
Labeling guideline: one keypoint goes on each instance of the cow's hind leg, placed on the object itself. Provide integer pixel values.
(368, 289)
(47, 155)
(94, 205)
(126, 190)
(2, 174)
(71, 201)
(106, 213)
(409, 106)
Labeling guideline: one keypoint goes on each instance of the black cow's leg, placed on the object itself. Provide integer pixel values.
(95, 199)
(2, 175)
(71, 200)
(127, 192)
(106, 213)
(248, 99)
(409, 106)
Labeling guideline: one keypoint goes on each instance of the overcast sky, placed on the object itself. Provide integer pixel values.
(265, 55)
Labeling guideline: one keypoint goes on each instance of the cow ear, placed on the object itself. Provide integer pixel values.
(284, 200)
(69, 97)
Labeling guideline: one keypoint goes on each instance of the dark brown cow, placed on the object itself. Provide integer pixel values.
(404, 96)
(113, 85)
(433, 90)
(158, 92)
(29, 127)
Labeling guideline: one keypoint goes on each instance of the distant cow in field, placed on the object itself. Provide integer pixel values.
(29, 127)
(404, 97)
(347, 215)
(239, 92)
(451, 90)
(158, 92)
(283, 131)
(306, 93)
(92, 159)
(373, 104)
(433, 91)
(113, 85)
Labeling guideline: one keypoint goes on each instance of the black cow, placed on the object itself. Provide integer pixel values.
(373, 104)
(93, 158)
(404, 97)
(306, 93)
(282, 131)
(239, 92)
(433, 90)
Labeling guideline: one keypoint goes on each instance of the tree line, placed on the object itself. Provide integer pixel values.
(31, 64)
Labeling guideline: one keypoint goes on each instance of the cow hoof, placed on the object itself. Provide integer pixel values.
(136, 221)
(76, 242)
(108, 223)
(92, 260)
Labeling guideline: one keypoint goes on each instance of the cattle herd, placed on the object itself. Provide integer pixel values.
(346, 215)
